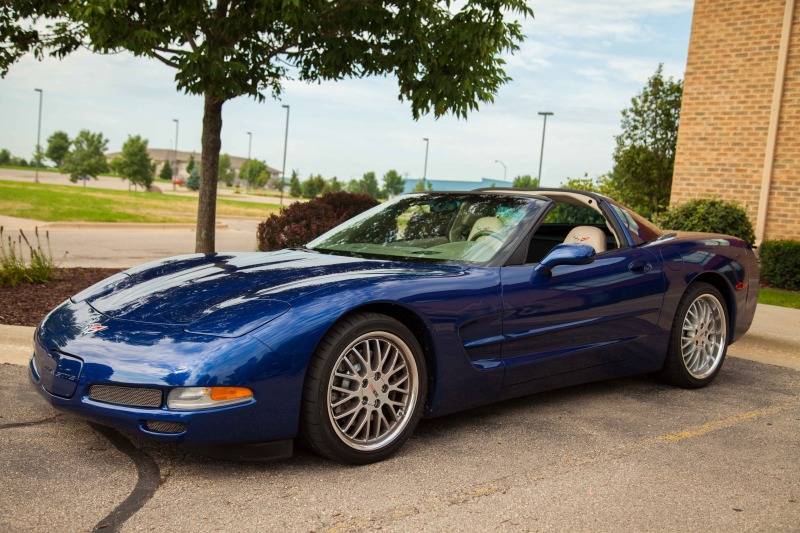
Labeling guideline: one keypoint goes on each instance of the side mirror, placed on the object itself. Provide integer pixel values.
(564, 254)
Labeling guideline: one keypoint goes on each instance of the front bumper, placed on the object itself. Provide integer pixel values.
(222, 425)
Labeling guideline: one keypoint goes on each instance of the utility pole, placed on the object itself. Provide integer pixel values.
(249, 143)
(505, 169)
(38, 152)
(175, 155)
(285, 143)
(544, 114)
(425, 170)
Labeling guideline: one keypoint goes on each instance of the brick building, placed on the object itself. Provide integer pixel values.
(739, 137)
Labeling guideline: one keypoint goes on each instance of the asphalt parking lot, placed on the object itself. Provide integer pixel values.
(632, 454)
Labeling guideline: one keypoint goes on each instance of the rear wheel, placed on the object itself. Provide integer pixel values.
(699, 338)
(365, 390)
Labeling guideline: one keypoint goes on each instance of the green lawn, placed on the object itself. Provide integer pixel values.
(31, 168)
(55, 203)
(768, 295)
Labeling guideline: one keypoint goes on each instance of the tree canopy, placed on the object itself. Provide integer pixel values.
(134, 162)
(644, 157)
(226, 172)
(86, 159)
(525, 182)
(445, 57)
(57, 147)
(393, 183)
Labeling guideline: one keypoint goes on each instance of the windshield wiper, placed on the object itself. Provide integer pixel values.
(426, 252)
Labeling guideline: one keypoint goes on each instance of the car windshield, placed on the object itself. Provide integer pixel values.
(468, 227)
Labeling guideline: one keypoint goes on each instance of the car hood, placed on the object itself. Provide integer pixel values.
(227, 294)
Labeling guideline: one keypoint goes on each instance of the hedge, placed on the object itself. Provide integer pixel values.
(712, 216)
(780, 264)
(302, 222)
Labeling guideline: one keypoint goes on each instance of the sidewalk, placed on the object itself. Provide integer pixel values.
(773, 339)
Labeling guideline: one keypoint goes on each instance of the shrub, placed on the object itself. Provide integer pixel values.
(23, 262)
(713, 216)
(780, 264)
(303, 221)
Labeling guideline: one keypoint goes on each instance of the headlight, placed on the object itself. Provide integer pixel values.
(189, 398)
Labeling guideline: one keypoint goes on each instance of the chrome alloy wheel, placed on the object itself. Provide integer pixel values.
(704, 336)
(372, 390)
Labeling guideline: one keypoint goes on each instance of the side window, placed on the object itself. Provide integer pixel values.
(557, 225)
(641, 229)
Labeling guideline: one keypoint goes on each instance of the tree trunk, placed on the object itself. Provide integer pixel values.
(209, 174)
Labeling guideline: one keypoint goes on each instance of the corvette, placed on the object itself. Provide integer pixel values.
(425, 305)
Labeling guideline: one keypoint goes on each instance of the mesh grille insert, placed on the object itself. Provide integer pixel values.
(160, 426)
(132, 396)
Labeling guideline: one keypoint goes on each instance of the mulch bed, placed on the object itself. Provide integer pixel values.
(27, 304)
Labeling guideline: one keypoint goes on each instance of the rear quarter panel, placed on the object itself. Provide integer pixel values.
(727, 261)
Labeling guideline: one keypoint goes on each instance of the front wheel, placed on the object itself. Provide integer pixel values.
(699, 338)
(365, 390)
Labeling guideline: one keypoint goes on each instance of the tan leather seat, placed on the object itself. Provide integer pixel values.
(590, 235)
(485, 224)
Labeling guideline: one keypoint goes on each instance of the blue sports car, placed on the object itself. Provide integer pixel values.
(424, 305)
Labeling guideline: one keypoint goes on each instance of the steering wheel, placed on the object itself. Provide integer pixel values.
(484, 233)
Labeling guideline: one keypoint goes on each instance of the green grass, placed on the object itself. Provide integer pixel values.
(31, 168)
(62, 203)
(783, 298)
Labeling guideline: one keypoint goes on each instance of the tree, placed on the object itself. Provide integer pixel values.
(57, 147)
(644, 157)
(332, 185)
(254, 173)
(368, 184)
(193, 181)
(313, 186)
(295, 189)
(5, 156)
(86, 159)
(226, 173)
(423, 185)
(190, 165)
(525, 182)
(446, 58)
(134, 162)
(393, 183)
(166, 171)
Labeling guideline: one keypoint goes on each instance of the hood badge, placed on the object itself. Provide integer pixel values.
(93, 328)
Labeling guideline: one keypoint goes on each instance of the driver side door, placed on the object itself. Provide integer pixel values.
(582, 316)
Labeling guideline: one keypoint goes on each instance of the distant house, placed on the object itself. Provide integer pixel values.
(178, 160)
(456, 185)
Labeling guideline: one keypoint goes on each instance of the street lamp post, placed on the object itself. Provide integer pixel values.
(505, 168)
(544, 114)
(249, 143)
(285, 143)
(425, 168)
(38, 152)
(175, 155)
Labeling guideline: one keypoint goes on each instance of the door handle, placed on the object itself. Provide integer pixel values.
(639, 266)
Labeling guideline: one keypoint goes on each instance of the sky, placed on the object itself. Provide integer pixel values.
(582, 60)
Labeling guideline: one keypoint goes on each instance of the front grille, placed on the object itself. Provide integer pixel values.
(159, 426)
(131, 396)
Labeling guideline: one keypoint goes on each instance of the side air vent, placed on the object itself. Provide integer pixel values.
(130, 396)
(159, 426)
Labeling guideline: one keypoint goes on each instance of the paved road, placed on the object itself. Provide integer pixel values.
(123, 246)
(114, 183)
(629, 454)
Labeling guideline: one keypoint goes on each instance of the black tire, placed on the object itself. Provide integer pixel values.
(675, 370)
(317, 428)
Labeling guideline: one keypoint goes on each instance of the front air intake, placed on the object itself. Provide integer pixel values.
(130, 396)
(159, 426)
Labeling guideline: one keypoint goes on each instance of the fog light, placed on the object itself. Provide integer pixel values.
(188, 398)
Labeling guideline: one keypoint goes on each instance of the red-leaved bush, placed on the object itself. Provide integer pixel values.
(303, 221)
